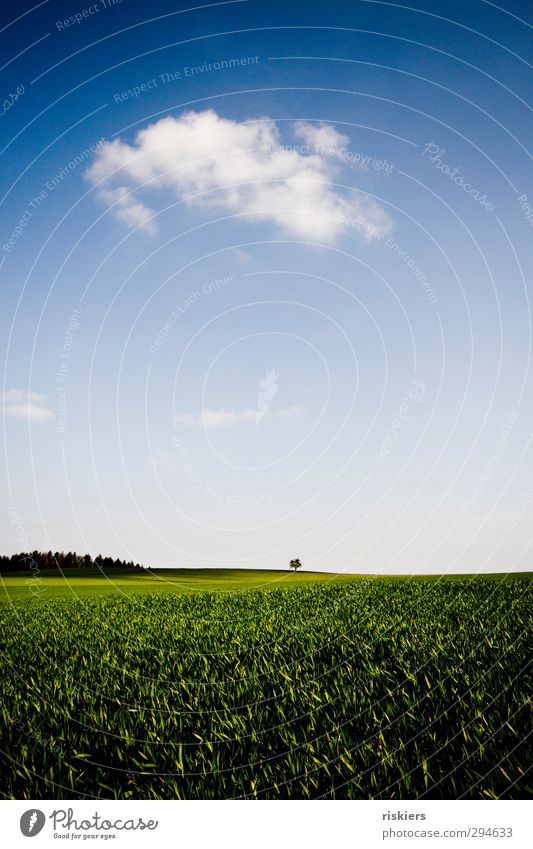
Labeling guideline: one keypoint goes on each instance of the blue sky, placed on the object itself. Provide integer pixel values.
(265, 284)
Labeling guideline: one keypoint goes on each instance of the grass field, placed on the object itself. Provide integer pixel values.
(73, 583)
(76, 583)
(224, 684)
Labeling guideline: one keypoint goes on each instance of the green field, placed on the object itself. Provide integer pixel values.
(80, 583)
(246, 684)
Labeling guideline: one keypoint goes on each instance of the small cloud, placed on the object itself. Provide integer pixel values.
(293, 412)
(18, 404)
(29, 411)
(129, 209)
(214, 418)
(225, 418)
(186, 419)
(218, 418)
(222, 418)
(241, 256)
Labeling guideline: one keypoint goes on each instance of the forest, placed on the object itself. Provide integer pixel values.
(36, 560)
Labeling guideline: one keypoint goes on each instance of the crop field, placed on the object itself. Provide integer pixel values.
(363, 689)
(77, 583)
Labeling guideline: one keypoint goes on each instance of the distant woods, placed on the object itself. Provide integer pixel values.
(37, 560)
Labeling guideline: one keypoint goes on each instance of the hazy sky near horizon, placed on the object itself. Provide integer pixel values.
(266, 283)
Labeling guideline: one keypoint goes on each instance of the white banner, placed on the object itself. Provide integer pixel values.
(253, 825)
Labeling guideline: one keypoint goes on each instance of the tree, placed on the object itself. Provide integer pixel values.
(295, 564)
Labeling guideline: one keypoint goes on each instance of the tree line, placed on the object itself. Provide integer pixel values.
(37, 560)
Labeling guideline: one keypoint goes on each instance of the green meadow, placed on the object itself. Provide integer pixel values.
(74, 583)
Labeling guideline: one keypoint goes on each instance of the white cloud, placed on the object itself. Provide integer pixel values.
(18, 404)
(184, 419)
(321, 136)
(293, 412)
(241, 256)
(213, 418)
(236, 166)
(224, 418)
(128, 209)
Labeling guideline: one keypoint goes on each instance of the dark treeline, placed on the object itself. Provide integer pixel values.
(34, 560)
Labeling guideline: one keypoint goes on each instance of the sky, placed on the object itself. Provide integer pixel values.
(264, 282)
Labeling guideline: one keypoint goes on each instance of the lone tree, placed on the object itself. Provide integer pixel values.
(295, 564)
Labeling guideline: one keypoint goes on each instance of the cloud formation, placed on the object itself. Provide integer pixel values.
(239, 167)
(322, 136)
(292, 412)
(224, 418)
(18, 404)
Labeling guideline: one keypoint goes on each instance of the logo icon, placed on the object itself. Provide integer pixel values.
(32, 822)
